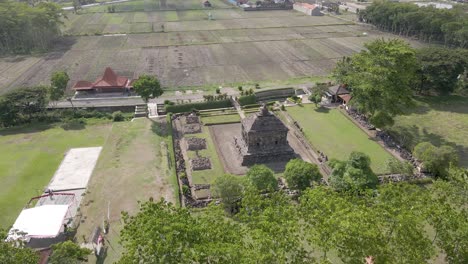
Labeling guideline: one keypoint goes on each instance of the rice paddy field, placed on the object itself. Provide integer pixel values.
(176, 41)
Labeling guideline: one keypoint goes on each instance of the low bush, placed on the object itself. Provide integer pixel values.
(117, 116)
(247, 100)
(181, 108)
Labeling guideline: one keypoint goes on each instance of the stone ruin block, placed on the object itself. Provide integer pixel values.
(196, 143)
(192, 119)
(192, 128)
(200, 164)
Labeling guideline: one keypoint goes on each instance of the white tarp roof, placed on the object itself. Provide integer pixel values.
(43, 221)
(76, 169)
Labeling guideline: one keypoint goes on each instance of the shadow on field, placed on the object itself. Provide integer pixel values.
(322, 110)
(448, 103)
(25, 129)
(74, 124)
(410, 136)
(160, 127)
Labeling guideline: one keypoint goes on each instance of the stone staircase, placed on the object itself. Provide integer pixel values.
(141, 111)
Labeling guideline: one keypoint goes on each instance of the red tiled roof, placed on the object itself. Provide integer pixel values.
(346, 97)
(306, 5)
(83, 85)
(109, 80)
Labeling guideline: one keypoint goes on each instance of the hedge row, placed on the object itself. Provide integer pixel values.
(181, 108)
(247, 100)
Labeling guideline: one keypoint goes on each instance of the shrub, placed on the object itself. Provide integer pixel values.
(218, 91)
(239, 88)
(185, 190)
(247, 100)
(181, 108)
(117, 116)
(283, 108)
(257, 86)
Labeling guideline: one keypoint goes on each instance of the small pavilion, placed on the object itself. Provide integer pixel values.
(109, 82)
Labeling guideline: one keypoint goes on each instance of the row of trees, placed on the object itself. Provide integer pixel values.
(389, 224)
(384, 78)
(428, 23)
(25, 28)
(29, 103)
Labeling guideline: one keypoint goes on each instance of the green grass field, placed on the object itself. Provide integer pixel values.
(133, 167)
(220, 119)
(440, 120)
(29, 157)
(207, 176)
(332, 133)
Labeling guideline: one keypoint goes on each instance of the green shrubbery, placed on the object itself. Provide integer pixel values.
(247, 100)
(118, 116)
(181, 108)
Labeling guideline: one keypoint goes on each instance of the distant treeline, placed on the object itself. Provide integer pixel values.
(428, 23)
(24, 29)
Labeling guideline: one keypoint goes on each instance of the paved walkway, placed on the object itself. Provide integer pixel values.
(152, 110)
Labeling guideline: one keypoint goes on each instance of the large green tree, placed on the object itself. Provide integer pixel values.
(300, 174)
(58, 84)
(25, 28)
(68, 252)
(380, 78)
(11, 254)
(230, 189)
(354, 175)
(436, 160)
(23, 105)
(262, 178)
(439, 69)
(147, 87)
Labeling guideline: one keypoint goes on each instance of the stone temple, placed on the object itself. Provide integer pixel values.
(263, 140)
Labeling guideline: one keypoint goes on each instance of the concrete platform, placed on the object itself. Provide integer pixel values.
(75, 170)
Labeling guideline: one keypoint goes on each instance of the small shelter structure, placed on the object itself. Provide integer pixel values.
(39, 222)
(264, 139)
(309, 9)
(109, 82)
(338, 94)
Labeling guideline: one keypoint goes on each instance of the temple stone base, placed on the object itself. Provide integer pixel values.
(281, 154)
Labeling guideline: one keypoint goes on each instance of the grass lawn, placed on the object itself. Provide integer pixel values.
(30, 155)
(207, 176)
(219, 119)
(440, 120)
(332, 133)
(134, 165)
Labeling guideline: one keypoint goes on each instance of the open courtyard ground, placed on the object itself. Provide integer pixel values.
(185, 49)
(29, 157)
(135, 164)
(440, 120)
(329, 131)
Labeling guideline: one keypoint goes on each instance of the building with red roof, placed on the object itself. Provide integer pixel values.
(109, 82)
(309, 9)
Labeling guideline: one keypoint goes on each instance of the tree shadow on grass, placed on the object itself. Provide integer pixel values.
(322, 109)
(74, 124)
(448, 103)
(26, 129)
(160, 127)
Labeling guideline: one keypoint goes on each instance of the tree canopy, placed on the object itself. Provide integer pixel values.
(24, 28)
(300, 174)
(22, 105)
(262, 178)
(439, 69)
(436, 160)
(68, 252)
(427, 23)
(11, 254)
(389, 224)
(354, 175)
(229, 188)
(380, 78)
(58, 84)
(147, 87)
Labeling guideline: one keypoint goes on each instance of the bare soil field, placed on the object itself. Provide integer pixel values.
(236, 47)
